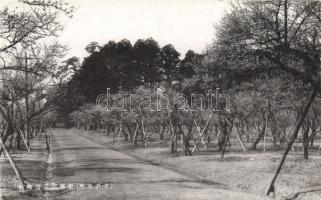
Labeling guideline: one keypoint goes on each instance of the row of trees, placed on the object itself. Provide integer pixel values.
(251, 118)
(27, 65)
(265, 56)
(275, 39)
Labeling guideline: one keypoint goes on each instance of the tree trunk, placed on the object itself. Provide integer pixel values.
(129, 132)
(136, 134)
(144, 134)
(173, 137)
(162, 131)
(18, 142)
(88, 125)
(47, 141)
(185, 143)
(125, 133)
(228, 129)
(305, 141)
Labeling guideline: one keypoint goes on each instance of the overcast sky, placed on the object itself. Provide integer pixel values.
(187, 24)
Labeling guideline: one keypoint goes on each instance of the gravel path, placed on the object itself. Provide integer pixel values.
(79, 160)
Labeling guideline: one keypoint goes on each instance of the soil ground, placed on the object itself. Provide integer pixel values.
(248, 172)
(32, 165)
(153, 173)
(79, 159)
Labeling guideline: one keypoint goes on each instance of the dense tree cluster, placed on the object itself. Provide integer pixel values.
(122, 66)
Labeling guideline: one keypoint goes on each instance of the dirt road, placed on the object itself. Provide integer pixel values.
(76, 159)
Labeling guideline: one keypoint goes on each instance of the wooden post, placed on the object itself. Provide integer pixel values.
(265, 131)
(120, 130)
(201, 133)
(13, 164)
(240, 140)
(24, 141)
(309, 102)
(198, 128)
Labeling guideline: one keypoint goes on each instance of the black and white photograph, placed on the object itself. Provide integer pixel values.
(160, 99)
